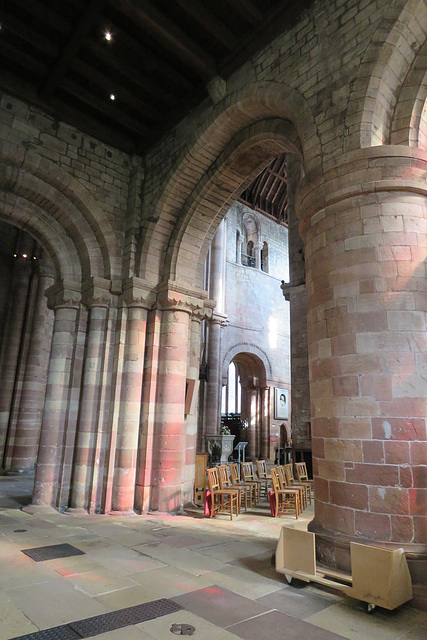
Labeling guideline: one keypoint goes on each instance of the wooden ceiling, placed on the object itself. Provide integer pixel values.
(157, 64)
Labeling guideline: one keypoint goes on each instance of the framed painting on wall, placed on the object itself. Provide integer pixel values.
(281, 411)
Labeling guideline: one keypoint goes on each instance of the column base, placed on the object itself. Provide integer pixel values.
(19, 472)
(333, 551)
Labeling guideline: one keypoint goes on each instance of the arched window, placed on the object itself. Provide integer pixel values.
(231, 398)
(238, 248)
(264, 257)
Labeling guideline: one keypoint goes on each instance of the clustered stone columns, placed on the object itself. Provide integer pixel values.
(137, 299)
(11, 349)
(212, 409)
(171, 485)
(24, 446)
(96, 298)
(64, 299)
(364, 226)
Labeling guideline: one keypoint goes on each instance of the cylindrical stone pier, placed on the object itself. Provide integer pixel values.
(365, 233)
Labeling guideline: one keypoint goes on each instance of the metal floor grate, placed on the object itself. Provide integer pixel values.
(124, 617)
(40, 554)
(106, 622)
(64, 632)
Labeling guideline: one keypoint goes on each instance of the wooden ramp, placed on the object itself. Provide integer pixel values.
(378, 576)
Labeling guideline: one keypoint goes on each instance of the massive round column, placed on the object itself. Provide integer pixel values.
(364, 226)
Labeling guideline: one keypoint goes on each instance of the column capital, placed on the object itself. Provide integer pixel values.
(96, 292)
(361, 172)
(174, 297)
(138, 293)
(63, 294)
(219, 318)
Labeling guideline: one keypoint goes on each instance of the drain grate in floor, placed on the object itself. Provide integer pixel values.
(124, 617)
(39, 554)
(64, 632)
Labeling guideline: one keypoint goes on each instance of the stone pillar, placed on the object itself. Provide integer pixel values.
(169, 489)
(138, 299)
(295, 293)
(26, 441)
(64, 299)
(191, 402)
(364, 227)
(96, 297)
(265, 422)
(17, 303)
(251, 449)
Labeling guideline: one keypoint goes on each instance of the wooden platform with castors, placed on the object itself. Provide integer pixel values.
(378, 576)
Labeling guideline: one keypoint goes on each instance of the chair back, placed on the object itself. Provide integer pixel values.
(261, 469)
(213, 479)
(234, 473)
(283, 481)
(247, 471)
(223, 477)
(301, 471)
(289, 473)
(275, 482)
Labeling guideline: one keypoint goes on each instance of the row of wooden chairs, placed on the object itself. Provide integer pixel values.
(229, 491)
(291, 495)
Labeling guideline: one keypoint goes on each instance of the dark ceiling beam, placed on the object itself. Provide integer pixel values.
(144, 58)
(204, 17)
(26, 33)
(72, 47)
(108, 86)
(169, 35)
(107, 108)
(28, 62)
(38, 13)
(139, 80)
(248, 11)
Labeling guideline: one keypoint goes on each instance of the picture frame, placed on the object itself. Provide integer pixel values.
(281, 403)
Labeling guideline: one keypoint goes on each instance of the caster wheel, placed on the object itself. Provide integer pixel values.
(370, 607)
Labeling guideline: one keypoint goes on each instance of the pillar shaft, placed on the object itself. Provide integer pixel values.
(169, 440)
(90, 420)
(29, 418)
(123, 496)
(50, 459)
(12, 341)
(365, 233)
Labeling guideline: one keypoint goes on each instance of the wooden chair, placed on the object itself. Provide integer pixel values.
(302, 477)
(293, 483)
(249, 476)
(261, 471)
(285, 484)
(287, 500)
(225, 483)
(222, 500)
(236, 482)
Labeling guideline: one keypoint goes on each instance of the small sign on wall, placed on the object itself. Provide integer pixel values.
(281, 411)
(273, 438)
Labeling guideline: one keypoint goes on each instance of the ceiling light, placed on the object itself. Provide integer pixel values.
(112, 96)
(108, 36)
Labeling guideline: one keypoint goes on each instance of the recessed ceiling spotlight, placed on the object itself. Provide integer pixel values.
(112, 96)
(108, 35)
(24, 255)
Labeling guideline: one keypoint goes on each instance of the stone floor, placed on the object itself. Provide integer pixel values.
(219, 571)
